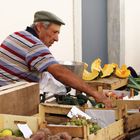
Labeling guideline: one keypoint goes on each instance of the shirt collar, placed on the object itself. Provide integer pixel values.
(32, 31)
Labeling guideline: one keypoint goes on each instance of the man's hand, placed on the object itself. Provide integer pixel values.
(108, 103)
(104, 99)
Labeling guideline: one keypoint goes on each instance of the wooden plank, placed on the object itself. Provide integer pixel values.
(108, 83)
(134, 135)
(131, 104)
(121, 137)
(56, 119)
(132, 122)
(73, 131)
(55, 108)
(20, 100)
(110, 132)
(10, 121)
(17, 84)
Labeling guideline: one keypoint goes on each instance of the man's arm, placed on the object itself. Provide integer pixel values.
(68, 78)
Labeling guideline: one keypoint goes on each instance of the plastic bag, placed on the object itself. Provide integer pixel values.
(49, 84)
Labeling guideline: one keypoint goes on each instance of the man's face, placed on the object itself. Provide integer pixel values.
(49, 34)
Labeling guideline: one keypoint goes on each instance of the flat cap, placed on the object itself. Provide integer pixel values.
(47, 16)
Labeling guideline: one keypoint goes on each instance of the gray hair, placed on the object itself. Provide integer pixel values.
(46, 23)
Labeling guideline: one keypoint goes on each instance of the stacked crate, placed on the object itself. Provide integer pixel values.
(55, 114)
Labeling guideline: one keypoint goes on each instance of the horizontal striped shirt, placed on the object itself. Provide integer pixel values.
(23, 57)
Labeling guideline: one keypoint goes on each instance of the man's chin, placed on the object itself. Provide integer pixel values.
(48, 45)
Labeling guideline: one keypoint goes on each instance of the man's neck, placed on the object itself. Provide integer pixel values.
(32, 31)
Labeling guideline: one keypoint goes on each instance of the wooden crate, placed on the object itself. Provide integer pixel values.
(110, 132)
(132, 119)
(55, 113)
(21, 98)
(10, 121)
(108, 83)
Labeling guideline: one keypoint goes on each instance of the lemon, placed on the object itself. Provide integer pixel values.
(0, 134)
(6, 132)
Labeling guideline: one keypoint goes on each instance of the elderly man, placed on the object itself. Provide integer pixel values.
(24, 55)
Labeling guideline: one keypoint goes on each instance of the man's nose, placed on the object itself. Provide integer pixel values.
(56, 38)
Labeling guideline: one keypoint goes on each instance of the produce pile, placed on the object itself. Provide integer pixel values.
(42, 134)
(134, 81)
(108, 69)
(82, 121)
(10, 132)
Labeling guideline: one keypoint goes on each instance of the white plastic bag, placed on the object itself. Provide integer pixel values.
(49, 84)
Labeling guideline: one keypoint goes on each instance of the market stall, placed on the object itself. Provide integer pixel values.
(73, 116)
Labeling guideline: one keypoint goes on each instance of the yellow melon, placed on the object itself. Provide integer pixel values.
(122, 72)
(96, 65)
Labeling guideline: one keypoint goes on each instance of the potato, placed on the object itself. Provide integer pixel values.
(65, 136)
(7, 138)
(54, 137)
(39, 135)
(76, 139)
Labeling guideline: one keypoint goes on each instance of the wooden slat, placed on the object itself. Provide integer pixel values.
(132, 122)
(56, 108)
(108, 83)
(135, 135)
(110, 132)
(71, 130)
(17, 84)
(131, 104)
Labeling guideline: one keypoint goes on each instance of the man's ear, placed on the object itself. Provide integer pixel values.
(39, 25)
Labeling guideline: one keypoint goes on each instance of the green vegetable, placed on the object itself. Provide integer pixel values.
(18, 133)
(132, 83)
(99, 105)
(137, 80)
(133, 86)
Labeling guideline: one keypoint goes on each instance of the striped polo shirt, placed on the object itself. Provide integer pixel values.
(23, 57)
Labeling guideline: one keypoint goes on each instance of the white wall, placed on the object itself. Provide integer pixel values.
(17, 14)
(132, 33)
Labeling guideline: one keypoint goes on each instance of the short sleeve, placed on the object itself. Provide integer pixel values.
(39, 58)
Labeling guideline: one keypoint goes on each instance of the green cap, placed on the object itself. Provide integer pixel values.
(47, 16)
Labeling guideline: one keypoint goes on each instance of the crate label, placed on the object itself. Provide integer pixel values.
(24, 128)
(77, 112)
